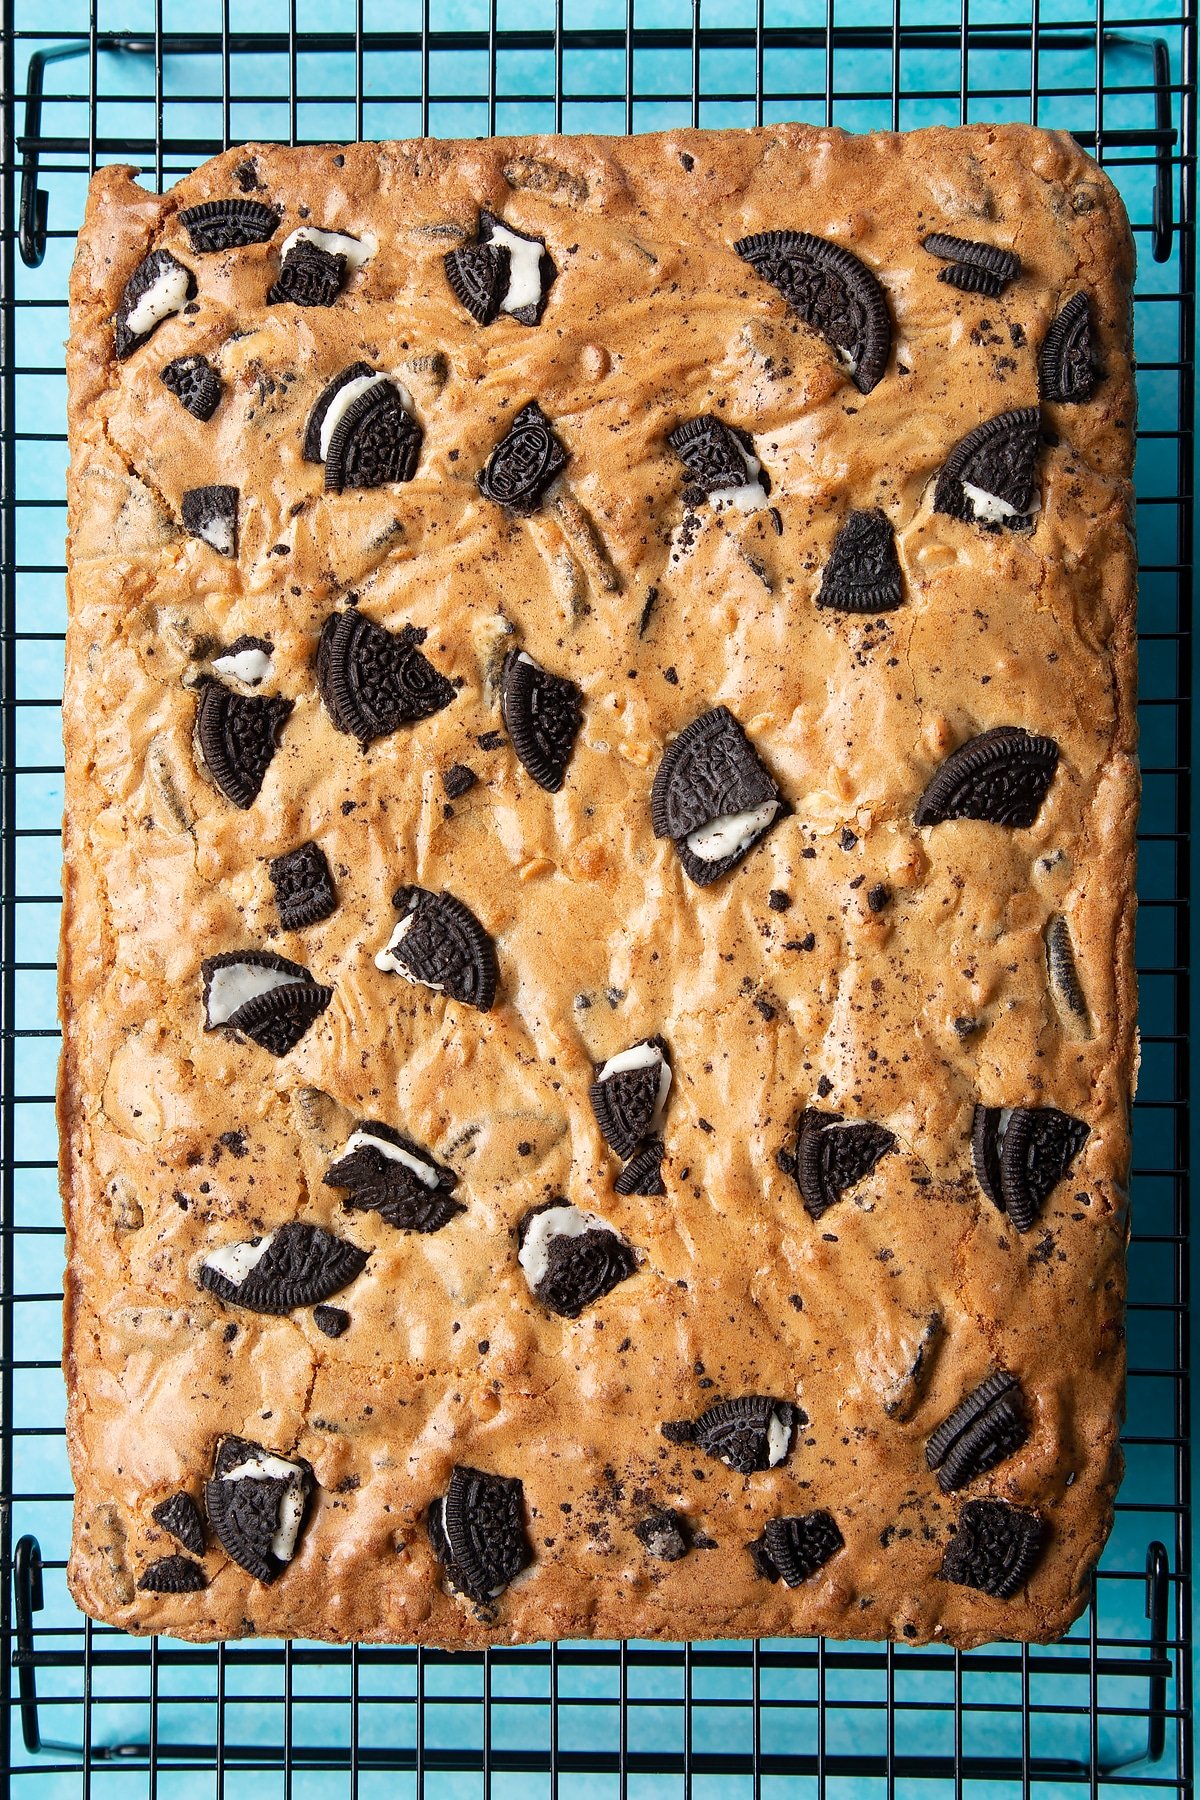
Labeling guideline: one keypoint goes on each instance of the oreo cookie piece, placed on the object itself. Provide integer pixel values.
(304, 890)
(373, 680)
(1000, 777)
(643, 1173)
(502, 272)
(629, 1095)
(237, 735)
(381, 1171)
(985, 1427)
(570, 1258)
(247, 661)
(524, 463)
(1021, 1154)
(863, 571)
(256, 1503)
(1065, 985)
(194, 383)
(159, 287)
(316, 437)
(792, 1549)
(173, 1575)
(834, 1154)
(332, 1320)
(211, 514)
(987, 479)
(374, 440)
(297, 1265)
(713, 797)
(440, 944)
(180, 1515)
(664, 1535)
(228, 224)
(721, 462)
(974, 268)
(477, 1530)
(542, 715)
(995, 1548)
(832, 291)
(263, 996)
(315, 265)
(748, 1434)
(1068, 371)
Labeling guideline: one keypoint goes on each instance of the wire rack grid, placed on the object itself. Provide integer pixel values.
(164, 84)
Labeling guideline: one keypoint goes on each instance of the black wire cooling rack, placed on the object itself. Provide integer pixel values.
(164, 85)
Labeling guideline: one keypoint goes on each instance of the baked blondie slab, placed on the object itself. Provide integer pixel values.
(597, 976)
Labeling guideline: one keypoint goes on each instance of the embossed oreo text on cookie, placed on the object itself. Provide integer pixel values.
(381, 1171)
(570, 1258)
(713, 797)
(528, 458)
(256, 1502)
(295, 1266)
(261, 996)
(748, 1434)
(831, 290)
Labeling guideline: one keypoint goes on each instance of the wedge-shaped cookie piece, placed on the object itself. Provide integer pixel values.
(373, 680)
(1021, 1154)
(542, 714)
(180, 1515)
(713, 797)
(570, 1258)
(720, 459)
(159, 287)
(1063, 975)
(237, 736)
(477, 1529)
(642, 1174)
(629, 1094)
(303, 885)
(792, 1549)
(502, 272)
(211, 514)
(173, 1575)
(229, 224)
(528, 458)
(984, 1428)
(988, 477)
(1000, 777)
(831, 290)
(256, 1502)
(194, 383)
(315, 265)
(863, 571)
(381, 1171)
(834, 1154)
(440, 944)
(263, 996)
(747, 1434)
(296, 1266)
(1068, 368)
(995, 1547)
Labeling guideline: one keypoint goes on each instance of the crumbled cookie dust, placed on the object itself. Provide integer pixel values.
(852, 722)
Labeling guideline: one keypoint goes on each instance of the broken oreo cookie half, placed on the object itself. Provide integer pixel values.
(304, 890)
(629, 1095)
(792, 1549)
(642, 1174)
(180, 1515)
(256, 1502)
(995, 1548)
(1021, 1154)
(477, 1530)
(1000, 777)
(721, 462)
(748, 1434)
(502, 272)
(228, 224)
(373, 680)
(211, 514)
(988, 477)
(570, 1258)
(159, 287)
(236, 736)
(440, 944)
(315, 265)
(524, 463)
(713, 797)
(173, 1575)
(295, 1266)
(194, 383)
(832, 291)
(381, 1171)
(834, 1154)
(364, 430)
(986, 1426)
(542, 715)
(974, 268)
(1067, 367)
(863, 571)
(263, 996)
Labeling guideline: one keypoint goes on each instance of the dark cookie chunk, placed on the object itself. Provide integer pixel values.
(984, 1428)
(173, 1575)
(263, 996)
(359, 371)
(643, 1173)
(332, 1320)
(309, 276)
(664, 1535)
(375, 443)
(256, 1504)
(1067, 368)
(997, 460)
(542, 715)
(714, 454)
(1020, 1160)
(995, 1548)
(297, 1265)
(628, 1098)
(373, 680)
(570, 1268)
(383, 1172)
(211, 514)
(194, 383)
(440, 943)
(524, 463)
(478, 1533)
(834, 1155)
(832, 291)
(1065, 984)
(159, 287)
(458, 780)
(748, 1434)
(481, 274)
(709, 777)
(237, 735)
(863, 571)
(181, 1517)
(304, 890)
(229, 224)
(792, 1549)
(1000, 777)
(974, 268)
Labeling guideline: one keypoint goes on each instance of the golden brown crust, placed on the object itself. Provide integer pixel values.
(906, 1015)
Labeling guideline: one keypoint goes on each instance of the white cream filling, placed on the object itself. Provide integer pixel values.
(642, 1056)
(165, 295)
(345, 397)
(992, 510)
(524, 269)
(356, 251)
(291, 1501)
(359, 1140)
(731, 833)
(384, 958)
(1006, 1113)
(247, 666)
(235, 1261)
(218, 532)
(750, 494)
(555, 1221)
(779, 1437)
(235, 983)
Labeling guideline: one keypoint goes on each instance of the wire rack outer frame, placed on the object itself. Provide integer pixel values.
(1145, 1673)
